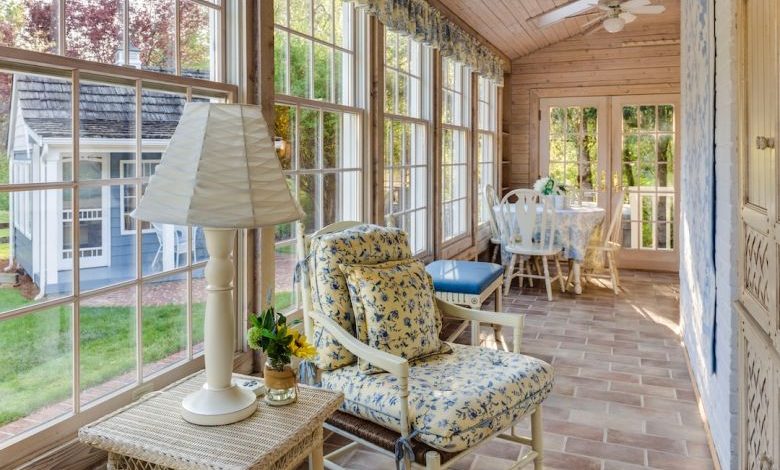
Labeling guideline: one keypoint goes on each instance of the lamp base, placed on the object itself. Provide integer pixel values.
(217, 407)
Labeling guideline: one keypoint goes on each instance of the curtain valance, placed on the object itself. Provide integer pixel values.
(428, 25)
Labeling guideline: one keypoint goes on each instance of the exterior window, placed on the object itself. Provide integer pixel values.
(406, 175)
(96, 31)
(456, 83)
(104, 305)
(128, 191)
(22, 204)
(318, 120)
(486, 145)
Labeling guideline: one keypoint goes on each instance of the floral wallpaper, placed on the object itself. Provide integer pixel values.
(698, 196)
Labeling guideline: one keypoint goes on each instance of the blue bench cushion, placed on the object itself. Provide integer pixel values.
(463, 277)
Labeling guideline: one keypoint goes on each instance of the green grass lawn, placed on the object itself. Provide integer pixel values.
(36, 350)
(282, 300)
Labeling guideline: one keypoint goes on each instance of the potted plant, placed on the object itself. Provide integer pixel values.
(548, 186)
(271, 334)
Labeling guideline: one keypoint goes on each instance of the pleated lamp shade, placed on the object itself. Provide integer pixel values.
(220, 170)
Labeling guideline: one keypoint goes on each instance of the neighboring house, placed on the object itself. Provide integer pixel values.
(40, 148)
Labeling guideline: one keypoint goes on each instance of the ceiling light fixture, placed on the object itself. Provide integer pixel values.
(614, 24)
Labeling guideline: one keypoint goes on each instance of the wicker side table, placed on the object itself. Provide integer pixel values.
(151, 434)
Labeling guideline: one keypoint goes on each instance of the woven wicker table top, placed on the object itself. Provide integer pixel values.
(152, 429)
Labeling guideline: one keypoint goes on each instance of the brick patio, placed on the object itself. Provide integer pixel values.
(623, 397)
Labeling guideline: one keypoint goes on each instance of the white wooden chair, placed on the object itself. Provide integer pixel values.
(608, 246)
(491, 200)
(411, 383)
(528, 227)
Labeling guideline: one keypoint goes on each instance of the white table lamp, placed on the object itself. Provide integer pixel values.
(220, 171)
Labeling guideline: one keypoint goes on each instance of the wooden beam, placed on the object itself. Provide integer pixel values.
(439, 5)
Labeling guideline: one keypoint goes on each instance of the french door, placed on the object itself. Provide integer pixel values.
(620, 148)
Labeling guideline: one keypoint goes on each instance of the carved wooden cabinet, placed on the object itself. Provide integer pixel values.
(759, 305)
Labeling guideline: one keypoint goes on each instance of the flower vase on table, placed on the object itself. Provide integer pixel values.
(271, 334)
(547, 186)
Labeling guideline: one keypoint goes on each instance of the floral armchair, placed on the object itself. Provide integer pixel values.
(429, 412)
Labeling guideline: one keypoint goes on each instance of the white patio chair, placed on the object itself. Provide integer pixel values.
(394, 412)
(608, 246)
(179, 244)
(491, 200)
(528, 228)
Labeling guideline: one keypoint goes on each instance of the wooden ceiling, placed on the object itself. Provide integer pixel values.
(505, 23)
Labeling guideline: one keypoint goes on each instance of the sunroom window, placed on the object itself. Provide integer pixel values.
(318, 120)
(406, 174)
(486, 142)
(101, 304)
(456, 126)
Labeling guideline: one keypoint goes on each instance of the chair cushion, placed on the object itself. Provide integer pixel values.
(463, 277)
(394, 309)
(362, 244)
(455, 400)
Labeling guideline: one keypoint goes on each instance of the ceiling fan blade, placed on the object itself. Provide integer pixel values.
(646, 10)
(596, 27)
(586, 26)
(627, 17)
(633, 4)
(562, 12)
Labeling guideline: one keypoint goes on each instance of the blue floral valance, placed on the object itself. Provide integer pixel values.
(428, 25)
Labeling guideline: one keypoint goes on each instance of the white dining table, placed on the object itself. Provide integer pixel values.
(576, 226)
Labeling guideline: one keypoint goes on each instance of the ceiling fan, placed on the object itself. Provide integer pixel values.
(613, 15)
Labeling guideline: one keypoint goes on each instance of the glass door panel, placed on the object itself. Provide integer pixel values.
(573, 145)
(644, 165)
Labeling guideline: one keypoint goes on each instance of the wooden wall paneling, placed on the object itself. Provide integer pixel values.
(641, 60)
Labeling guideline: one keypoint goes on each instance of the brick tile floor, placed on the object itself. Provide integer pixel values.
(622, 399)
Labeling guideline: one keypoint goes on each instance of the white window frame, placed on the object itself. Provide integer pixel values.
(354, 201)
(458, 126)
(32, 441)
(22, 203)
(123, 164)
(487, 96)
(417, 116)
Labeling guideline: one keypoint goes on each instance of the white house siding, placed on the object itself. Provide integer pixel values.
(708, 266)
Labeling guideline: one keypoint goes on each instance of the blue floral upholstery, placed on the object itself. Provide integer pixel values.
(362, 244)
(455, 400)
(394, 309)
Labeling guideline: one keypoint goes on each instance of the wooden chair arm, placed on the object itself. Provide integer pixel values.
(396, 365)
(481, 316)
(516, 321)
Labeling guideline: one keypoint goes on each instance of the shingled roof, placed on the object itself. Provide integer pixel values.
(105, 111)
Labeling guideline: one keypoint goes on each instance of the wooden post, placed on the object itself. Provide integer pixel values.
(436, 225)
(264, 84)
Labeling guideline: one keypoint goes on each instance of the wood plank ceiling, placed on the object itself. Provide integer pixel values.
(505, 23)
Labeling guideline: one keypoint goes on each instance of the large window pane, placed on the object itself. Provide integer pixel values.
(152, 33)
(164, 322)
(455, 213)
(107, 343)
(31, 233)
(36, 372)
(29, 25)
(93, 30)
(198, 40)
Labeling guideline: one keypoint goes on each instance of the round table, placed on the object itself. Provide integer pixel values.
(576, 226)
